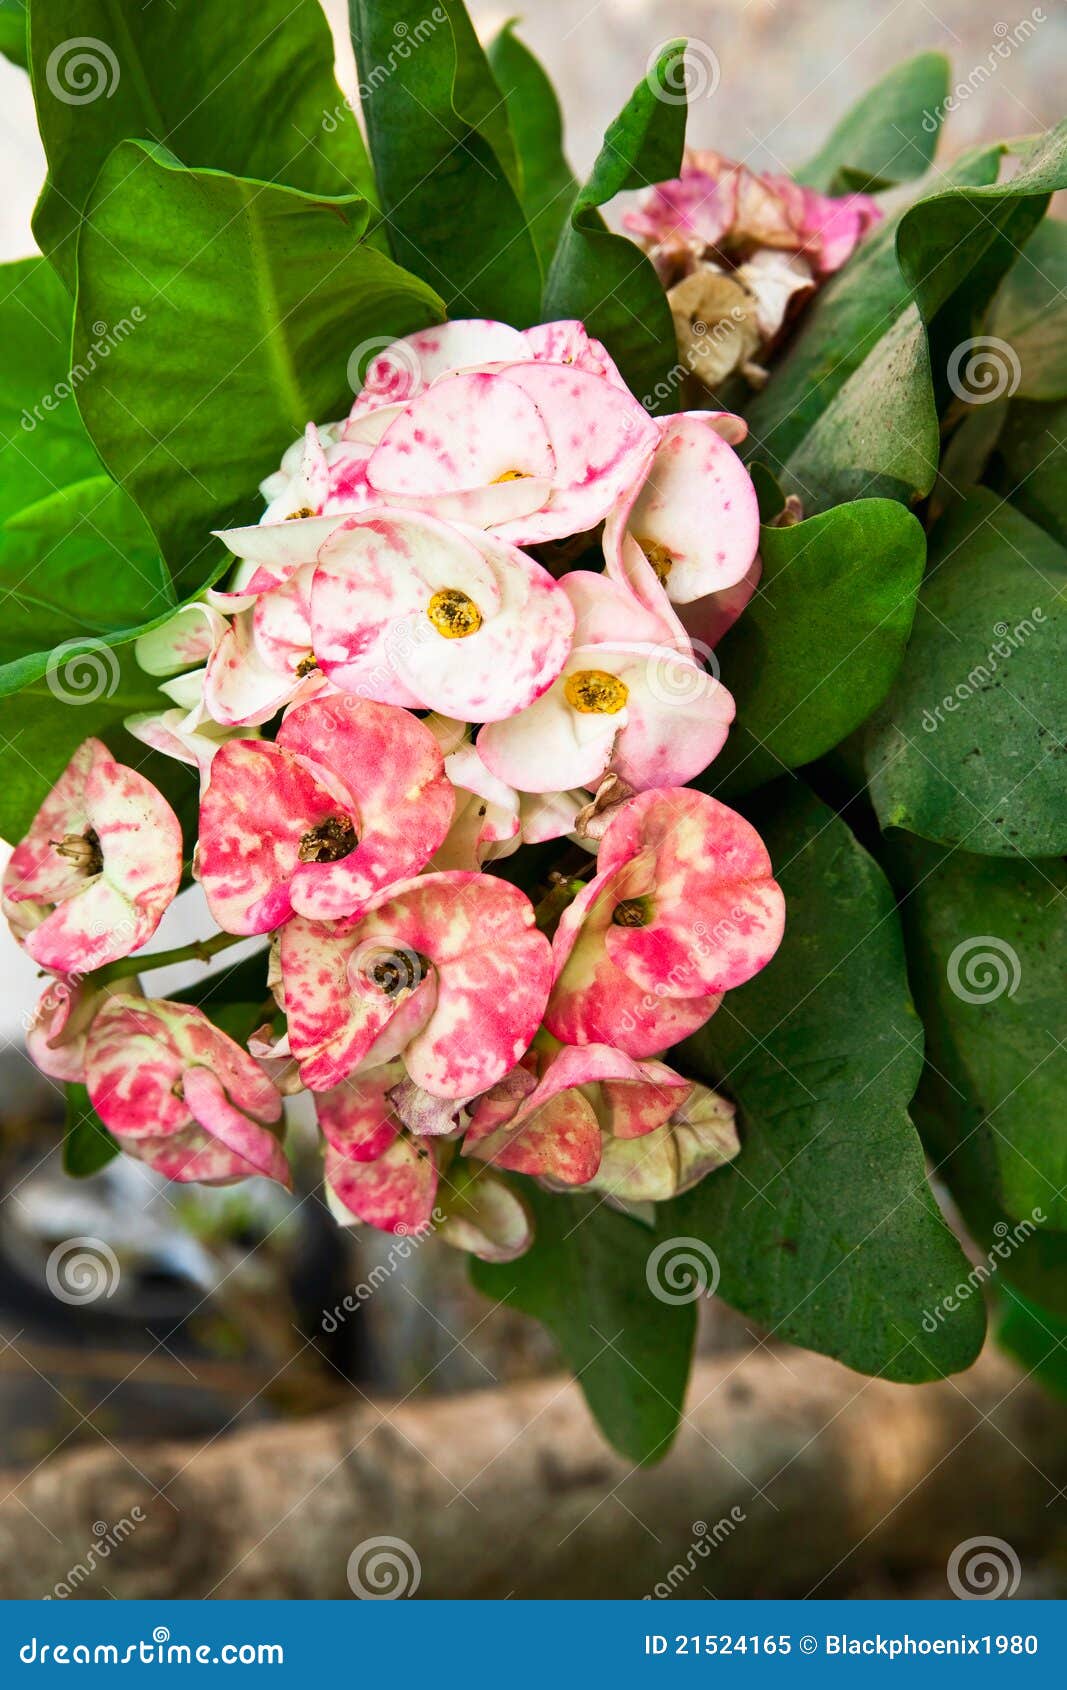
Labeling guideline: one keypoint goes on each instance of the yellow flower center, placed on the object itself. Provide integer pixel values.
(453, 614)
(595, 692)
(658, 556)
(298, 516)
(510, 475)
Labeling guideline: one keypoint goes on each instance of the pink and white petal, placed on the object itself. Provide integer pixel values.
(677, 715)
(36, 873)
(549, 745)
(186, 641)
(488, 1219)
(465, 432)
(600, 437)
(278, 547)
(281, 629)
(716, 913)
(706, 620)
(140, 837)
(252, 1144)
(558, 1140)
(606, 609)
(409, 365)
(187, 1156)
(566, 342)
(261, 803)
(391, 765)
(357, 1118)
(395, 1193)
(366, 427)
(239, 688)
(628, 566)
(634, 1104)
(133, 1071)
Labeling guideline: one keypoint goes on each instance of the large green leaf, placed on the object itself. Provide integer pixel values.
(845, 322)
(825, 1227)
(260, 296)
(587, 1278)
(251, 91)
(818, 646)
(445, 158)
(1037, 1338)
(879, 434)
(963, 240)
(889, 135)
(1032, 447)
(13, 43)
(987, 949)
(548, 187)
(1030, 313)
(969, 746)
(605, 279)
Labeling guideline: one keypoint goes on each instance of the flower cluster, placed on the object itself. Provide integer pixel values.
(737, 251)
(474, 617)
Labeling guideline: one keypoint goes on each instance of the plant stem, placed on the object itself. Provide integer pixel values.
(200, 950)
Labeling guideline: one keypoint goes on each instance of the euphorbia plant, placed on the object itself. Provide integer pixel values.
(499, 716)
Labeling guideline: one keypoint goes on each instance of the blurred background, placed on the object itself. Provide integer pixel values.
(215, 1314)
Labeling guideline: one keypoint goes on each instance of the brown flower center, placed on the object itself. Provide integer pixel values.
(632, 912)
(298, 516)
(453, 614)
(595, 692)
(306, 666)
(83, 850)
(392, 972)
(329, 842)
(658, 556)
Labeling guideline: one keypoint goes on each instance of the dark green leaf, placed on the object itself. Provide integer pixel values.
(879, 434)
(1030, 313)
(1037, 1338)
(1033, 450)
(586, 1279)
(548, 187)
(847, 319)
(87, 1144)
(445, 158)
(228, 359)
(248, 91)
(818, 646)
(605, 279)
(13, 43)
(969, 747)
(824, 1226)
(889, 135)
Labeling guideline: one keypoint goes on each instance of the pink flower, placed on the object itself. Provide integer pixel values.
(180, 1095)
(693, 514)
(547, 1116)
(447, 970)
(413, 611)
(99, 866)
(56, 1037)
(350, 797)
(375, 1170)
(682, 909)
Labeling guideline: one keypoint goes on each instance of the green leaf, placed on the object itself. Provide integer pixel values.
(586, 1278)
(889, 135)
(87, 1144)
(248, 91)
(1030, 313)
(445, 158)
(819, 644)
(1033, 453)
(77, 568)
(43, 443)
(1037, 1338)
(844, 323)
(969, 747)
(548, 187)
(825, 1227)
(228, 359)
(13, 43)
(963, 240)
(987, 949)
(605, 279)
(879, 434)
